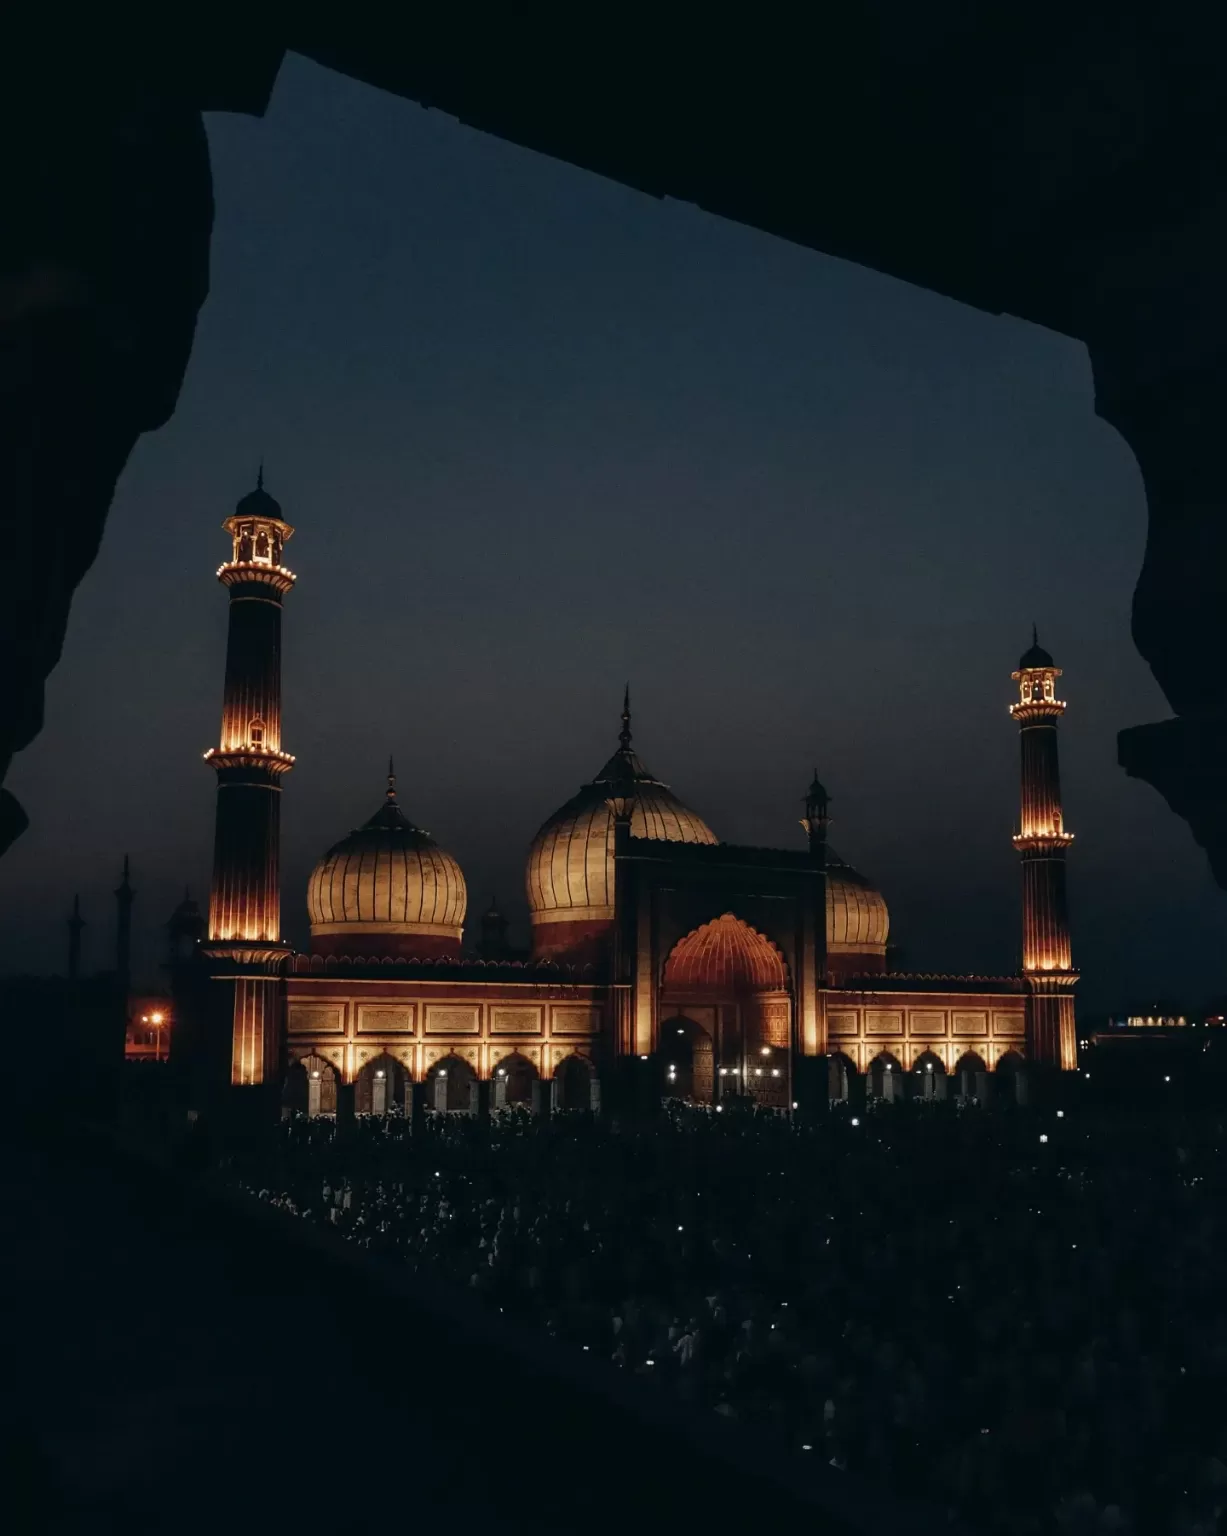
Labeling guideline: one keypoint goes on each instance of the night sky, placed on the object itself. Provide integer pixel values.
(540, 434)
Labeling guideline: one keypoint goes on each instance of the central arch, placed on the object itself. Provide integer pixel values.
(731, 975)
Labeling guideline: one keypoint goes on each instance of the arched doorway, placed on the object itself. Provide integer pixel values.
(969, 1071)
(513, 1082)
(1011, 1071)
(452, 1086)
(688, 1055)
(929, 1076)
(885, 1078)
(841, 1073)
(310, 1087)
(728, 972)
(575, 1085)
(381, 1087)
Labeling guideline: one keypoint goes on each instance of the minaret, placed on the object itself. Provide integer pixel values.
(1041, 842)
(817, 819)
(184, 931)
(245, 899)
(124, 897)
(815, 970)
(493, 945)
(75, 924)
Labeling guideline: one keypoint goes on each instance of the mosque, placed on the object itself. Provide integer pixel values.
(663, 960)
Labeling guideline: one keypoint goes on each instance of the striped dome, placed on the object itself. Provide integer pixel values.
(387, 888)
(857, 919)
(570, 873)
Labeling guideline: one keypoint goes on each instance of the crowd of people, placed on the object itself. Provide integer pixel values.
(1014, 1315)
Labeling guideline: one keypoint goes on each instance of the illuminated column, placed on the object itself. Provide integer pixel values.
(1041, 842)
(814, 976)
(245, 899)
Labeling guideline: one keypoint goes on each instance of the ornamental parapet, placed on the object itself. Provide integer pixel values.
(447, 968)
(924, 981)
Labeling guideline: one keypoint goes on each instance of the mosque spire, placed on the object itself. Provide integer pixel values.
(624, 736)
(245, 894)
(1048, 970)
(391, 778)
(817, 818)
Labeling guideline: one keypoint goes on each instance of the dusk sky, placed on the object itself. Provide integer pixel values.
(540, 434)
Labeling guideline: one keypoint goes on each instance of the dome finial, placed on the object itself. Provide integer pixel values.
(624, 736)
(391, 778)
(260, 476)
(1035, 634)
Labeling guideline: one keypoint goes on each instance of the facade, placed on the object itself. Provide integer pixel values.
(662, 959)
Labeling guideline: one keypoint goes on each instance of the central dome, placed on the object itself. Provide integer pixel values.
(570, 873)
(387, 889)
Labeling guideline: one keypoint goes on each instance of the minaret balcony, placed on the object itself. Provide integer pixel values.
(272, 759)
(1040, 843)
(239, 573)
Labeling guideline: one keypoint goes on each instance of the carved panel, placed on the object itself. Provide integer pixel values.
(972, 1025)
(515, 1021)
(926, 1023)
(385, 1021)
(452, 1021)
(884, 1021)
(575, 1021)
(843, 1022)
(316, 1018)
(1010, 1023)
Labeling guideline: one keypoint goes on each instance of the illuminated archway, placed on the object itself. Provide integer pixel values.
(452, 1086)
(310, 1087)
(381, 1087)
(575, 1084)
(513, 1079)
(968, 1069)
(841, 1073)
(929, 1076)
(729, 973)
(885, 1077)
